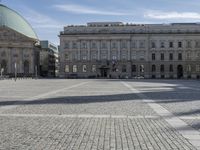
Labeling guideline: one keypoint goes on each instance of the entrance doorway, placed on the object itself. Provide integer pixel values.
(104, 72)
(179, 71)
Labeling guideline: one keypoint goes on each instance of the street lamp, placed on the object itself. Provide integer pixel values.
(15, 71)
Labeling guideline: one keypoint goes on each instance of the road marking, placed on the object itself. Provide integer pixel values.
(183, 128)
(79, 116)
(25, 101)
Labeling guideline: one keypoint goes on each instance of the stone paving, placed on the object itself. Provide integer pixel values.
(99, 114)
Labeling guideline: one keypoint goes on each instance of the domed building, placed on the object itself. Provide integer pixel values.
(19, 53)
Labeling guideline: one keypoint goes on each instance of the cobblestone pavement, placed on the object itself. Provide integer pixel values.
(100, 114)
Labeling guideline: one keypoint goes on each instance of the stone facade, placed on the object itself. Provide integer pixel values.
(117, 50)
(18, 53)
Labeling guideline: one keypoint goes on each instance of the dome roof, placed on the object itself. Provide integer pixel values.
(15, 21)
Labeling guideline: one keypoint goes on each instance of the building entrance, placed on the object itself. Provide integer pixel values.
(104, 72)
(179, 71)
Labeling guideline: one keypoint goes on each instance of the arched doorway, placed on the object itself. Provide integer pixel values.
(26, 67)
(179, 71)
(4, 66)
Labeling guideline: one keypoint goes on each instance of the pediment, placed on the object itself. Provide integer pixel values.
(7, 34)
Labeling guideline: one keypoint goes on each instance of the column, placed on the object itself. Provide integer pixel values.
(119, 50)
(109, 49)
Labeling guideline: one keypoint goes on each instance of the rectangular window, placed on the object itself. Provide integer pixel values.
(84, 68)
(123, 68)
(153, 45)
(74, 45)
(66, 45)
(141, 44)
(162, 68)
(171, 56)
(179, 56)
(188, 45)
(66, 56)
(179, 44)
(162, 45)
(66, 68)
(153, 56)
(198, 68)
(153, 69)
(171, 69)
(188, 56)
(162, 56)
(133, 68)
(171, 44)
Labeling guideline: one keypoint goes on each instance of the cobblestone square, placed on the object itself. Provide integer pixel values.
(92, 114)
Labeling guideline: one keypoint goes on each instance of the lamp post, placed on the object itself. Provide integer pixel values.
(35, 72)
(15, 71)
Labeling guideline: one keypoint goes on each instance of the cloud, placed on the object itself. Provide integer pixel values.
(78, 9)
(39, 20)
(171, 15)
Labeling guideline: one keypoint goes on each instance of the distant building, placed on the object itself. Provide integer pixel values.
(18, 45)
(48, 59)
(117, 50)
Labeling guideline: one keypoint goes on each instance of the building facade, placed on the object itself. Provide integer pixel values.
(117, 50)
(19, 52)
(48, 59)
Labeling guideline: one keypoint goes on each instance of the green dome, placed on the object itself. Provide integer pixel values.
(13, 20)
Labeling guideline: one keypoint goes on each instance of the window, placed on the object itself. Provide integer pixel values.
(162, 45)
(114, 45)
(153, 45)
(66, 68)
(179, 56)
(179, 44)
(197, 44)
(162, 56)
(189, 68)
(84, 45)
(142, 68)
(3, 54)
(171, 69)
(162, 68)
(74, 45)
(93, 45)
(142, 44)
(123, 68)
(67, 56)
(66, 45)
(123, 44)
(133, 44)
(74, 68)
(171, 44)
(188, 56)
(170, 56)
(153, 56)
(153, 68)
(133, 68)
(103, 45)
(84, 68)
(93, 68)
(188, 44)
(198, 68)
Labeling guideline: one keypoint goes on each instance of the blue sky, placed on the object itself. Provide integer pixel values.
(48, 17)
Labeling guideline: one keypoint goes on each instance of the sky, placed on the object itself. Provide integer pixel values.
(48, 17)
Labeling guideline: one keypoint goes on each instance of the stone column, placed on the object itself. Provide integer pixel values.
(129, 50)
(89, 50)
(99, 49)
(109, 49)
(119, 50)
(79, 50)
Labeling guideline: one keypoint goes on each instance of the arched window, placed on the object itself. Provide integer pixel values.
(26, 67)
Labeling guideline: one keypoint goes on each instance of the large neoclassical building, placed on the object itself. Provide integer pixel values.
(117, 50)
(19, 53)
